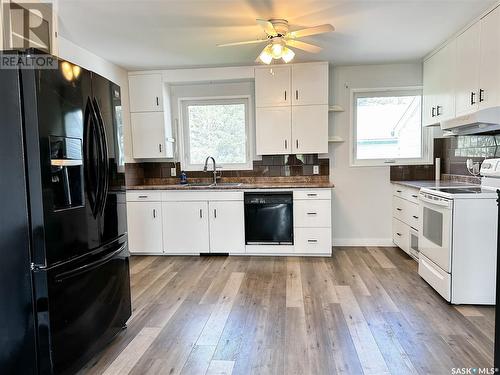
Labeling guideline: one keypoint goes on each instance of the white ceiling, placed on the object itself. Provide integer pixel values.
(147, 34)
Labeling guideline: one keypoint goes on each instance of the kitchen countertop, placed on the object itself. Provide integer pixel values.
(243, 186)
(417, 184)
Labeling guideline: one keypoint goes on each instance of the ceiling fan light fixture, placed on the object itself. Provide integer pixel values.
(287, 55)
(265, 56)
(277, 50)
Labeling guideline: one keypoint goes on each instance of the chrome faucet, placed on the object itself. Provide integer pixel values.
(205, 169)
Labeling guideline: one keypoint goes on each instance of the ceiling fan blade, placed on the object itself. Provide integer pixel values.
(320, 29)
(268, 27)
(242, 43)
(303, 46)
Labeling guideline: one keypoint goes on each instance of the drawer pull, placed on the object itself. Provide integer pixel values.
(399, 191)
(143, 196)
(415, 217)
(312, 241)
(414, 196)
(312, 213)
(399, 209)
(399, 234)
(312, 195)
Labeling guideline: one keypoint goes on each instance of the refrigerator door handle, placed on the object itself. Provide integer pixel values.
(92, 168)
(104, 183)
(78, 271)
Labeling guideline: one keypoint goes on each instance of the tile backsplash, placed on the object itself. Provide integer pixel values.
(454, 152)
(282, 167)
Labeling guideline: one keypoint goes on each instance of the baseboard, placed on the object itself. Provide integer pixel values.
(385, 242)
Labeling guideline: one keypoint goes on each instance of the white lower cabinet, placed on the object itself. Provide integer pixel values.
(405, 219)
(185, 227)
(313, 240)
(227, 227)
(144, 227)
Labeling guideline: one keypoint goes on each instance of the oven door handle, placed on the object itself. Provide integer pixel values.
(440, 203)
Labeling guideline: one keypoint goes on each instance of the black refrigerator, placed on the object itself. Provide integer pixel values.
(64, 262)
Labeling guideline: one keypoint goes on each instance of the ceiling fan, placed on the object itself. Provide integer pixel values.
(279, 40)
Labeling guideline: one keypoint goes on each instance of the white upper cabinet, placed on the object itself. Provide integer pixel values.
(489, 80)
(467, 82)
(148, 135)
(292, 109)
(146, 92)
(272, 86)
(273, 131)
(310, 129)
(429, 92)
(310, 83)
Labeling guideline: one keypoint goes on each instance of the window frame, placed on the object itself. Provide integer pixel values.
(183, 128)
(427, 144)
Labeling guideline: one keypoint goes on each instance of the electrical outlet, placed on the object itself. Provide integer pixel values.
(173, 172)
(315, 169)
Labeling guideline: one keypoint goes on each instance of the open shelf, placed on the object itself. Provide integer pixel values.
(335, 108)
(335, 139)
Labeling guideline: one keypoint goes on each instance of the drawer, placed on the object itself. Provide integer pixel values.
(310, 194)
(143, 195)
(314, 213)
(405, 211)
(435, 276)
(405, 192)
(401, 235)
(313, 241)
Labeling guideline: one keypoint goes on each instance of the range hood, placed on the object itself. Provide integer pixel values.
(482, 121)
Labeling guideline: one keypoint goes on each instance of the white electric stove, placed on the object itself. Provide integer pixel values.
(458, 238)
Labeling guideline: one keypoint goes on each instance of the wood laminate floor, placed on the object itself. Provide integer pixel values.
(361, 311)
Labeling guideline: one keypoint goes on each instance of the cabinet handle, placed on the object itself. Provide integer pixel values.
(312, 213)
(159, 146)
(154, 213)
(201, 213)
(297, 143)
(157, 101)
(415, 217)
(399, 209)
(433, 112)
(399, 191)
(481, 97)
(399, 234)
(312, 241)
(286, 144)
(437, 110)
(143, 196)
(285, 95)
(296, 94)
(414, 196)
(312, 195)
(472, 96)
(215, 213)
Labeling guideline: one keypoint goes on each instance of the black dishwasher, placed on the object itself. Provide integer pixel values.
(269, 218)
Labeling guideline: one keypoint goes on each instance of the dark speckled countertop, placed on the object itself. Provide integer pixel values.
(431, 183)
(243, 186)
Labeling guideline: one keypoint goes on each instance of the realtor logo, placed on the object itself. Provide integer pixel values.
(27, 25)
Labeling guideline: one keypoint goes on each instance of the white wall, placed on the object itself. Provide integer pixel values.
(362, 206)
(88, 60)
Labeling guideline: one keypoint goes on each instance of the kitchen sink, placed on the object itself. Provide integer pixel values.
(208, 185)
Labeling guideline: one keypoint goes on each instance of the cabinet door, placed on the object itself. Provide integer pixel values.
(273, 130)
(310, 129)
(185, 227)
(489, 95)
(144, 227)
(467, 82)
(445, 82)
(272, 86)
(148, 135)
(310, 84)
(429, 92)
(227, 227)
(146, 93)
